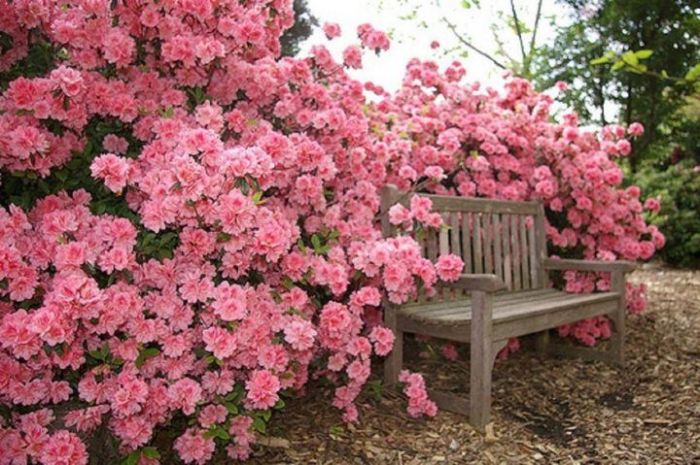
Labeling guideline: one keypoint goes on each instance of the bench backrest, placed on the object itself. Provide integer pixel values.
(498, 237)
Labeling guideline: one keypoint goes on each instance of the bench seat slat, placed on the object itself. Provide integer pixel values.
(506, 306)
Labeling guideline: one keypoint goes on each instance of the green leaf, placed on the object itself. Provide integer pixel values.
(145, 354)
(216, 431)
(617, 65)
(693, 74)
(133, 458)
(266, 415)
(259, 425)
(231, 407)
(316, 243)
(151, 453)
(630, 58)
(600, 60)
(223, 237)
(279, 405)
(643, 54)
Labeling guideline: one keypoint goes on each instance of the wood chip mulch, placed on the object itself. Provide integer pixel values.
(550, 411)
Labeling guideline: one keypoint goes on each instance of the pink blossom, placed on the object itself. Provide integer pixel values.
(332, 30)
(193, 447)
(635, 129)
(449, 267)
(263, 389)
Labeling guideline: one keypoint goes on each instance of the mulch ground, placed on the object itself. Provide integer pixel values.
(545, 411)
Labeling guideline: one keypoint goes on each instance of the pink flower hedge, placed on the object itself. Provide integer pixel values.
(261, 176)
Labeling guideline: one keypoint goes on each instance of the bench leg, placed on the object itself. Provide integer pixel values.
(542, 343)
(394, 361)
(618, 318)
(481, 374)
(617, 340)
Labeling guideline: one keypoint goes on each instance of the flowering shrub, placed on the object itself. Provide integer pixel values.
(189, 225)
(458, 139)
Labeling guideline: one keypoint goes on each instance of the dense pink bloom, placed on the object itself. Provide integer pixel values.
(383, 340)
(449, 267)
(193, 447)
(414, 388)
(64, 448)
(262, 389)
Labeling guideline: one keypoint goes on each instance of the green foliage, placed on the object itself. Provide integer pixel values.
(617, 56)
(678, 185)
(304, 22)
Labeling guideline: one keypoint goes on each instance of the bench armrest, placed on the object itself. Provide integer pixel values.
(589, 265)
(476, 282)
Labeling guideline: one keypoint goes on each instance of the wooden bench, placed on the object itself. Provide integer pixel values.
(504, 292)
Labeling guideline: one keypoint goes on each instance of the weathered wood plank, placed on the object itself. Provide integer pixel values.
(389, 196)
(588, 265)
(480, 360)
(455, 246)
(478, 250)
(467, 244)
(497, 246)
(550, 319)
(487, 227)
(444, 236)
(443, 203)
(431, 239)
(507, 258)
(502, 309)
(524, 262)
(541, 244)
(534, 258)
(394, 362)
(515, 247)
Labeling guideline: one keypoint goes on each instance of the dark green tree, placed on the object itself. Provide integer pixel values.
(667, 32)
(300, 31)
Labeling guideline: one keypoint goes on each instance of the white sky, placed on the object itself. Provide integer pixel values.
(409, 39)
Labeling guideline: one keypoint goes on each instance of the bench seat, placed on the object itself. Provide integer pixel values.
(538, 309)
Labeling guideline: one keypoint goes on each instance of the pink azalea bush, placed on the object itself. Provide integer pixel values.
(223, 246)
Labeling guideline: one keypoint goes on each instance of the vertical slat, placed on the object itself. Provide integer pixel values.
(455, 244)
(454, 234)
(444, 236)
(432, 245)
(390, 195)
(443, 249)
(487, 227)
(541, 245)
(478, 252)
(507, 261)
(431, 240)
(527, 284)
(517, 283)
(534, 263)
(497, 242)
(466, 244)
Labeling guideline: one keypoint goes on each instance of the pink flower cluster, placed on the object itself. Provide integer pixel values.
(267, 173)
(418, 402)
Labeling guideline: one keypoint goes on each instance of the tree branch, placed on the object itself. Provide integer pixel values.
(518, 31)
(533, 38)
(469, 44)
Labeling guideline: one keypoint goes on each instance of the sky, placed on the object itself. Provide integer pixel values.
(411, 37)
